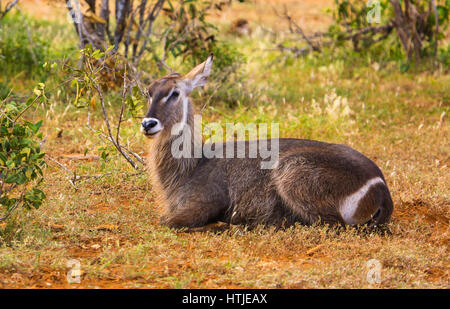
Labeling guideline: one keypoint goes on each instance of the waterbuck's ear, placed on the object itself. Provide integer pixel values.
(197, 76)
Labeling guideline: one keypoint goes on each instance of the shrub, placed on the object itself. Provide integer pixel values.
(18, 51)
(21, 158)
(407, 32)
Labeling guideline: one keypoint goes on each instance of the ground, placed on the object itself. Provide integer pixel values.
(110, 223)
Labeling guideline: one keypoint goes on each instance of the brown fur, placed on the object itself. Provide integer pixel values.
(308, 184)
(241, 27)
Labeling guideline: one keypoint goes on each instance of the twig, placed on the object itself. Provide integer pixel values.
(102, 135)
(74, 178)
(10, 211)
(25, 109)
(163, 57)
(150, 20)
(111, 137)
(315, 41)
(436, 18)
(8, 8)
(122, 107)
(60, 164)
(141, 8)
(385, 29)
(298, 29)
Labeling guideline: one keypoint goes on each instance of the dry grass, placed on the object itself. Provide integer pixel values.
(111, 224)
(310, 14)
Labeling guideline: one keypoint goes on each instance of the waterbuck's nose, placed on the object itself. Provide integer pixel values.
(149, 123)
(150, 126)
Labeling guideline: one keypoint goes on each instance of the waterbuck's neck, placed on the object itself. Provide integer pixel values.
(168, 171)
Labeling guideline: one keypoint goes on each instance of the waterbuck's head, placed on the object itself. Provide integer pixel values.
(169, 99)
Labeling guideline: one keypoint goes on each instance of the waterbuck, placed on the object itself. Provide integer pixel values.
(310, 181)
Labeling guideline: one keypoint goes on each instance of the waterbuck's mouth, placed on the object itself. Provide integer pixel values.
(151, 127)
(150, 133)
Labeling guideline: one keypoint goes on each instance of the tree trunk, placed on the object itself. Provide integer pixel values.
(405, 22)
(95, 29)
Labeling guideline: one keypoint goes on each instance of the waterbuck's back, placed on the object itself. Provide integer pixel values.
(305, 182)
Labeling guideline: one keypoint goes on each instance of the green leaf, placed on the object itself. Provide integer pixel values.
(104, 155)
(18, 178)
(26, 151)
(37, 92)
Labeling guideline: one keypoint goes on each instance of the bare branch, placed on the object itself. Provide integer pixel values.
(150, 20)
(74, 178)
(296, 28)
(122, 107)
(8, 8)
(316, 41)
(141, 8)
(10, 211)
(123, 8)
(111, 137)
(436, 19)
(105, 138)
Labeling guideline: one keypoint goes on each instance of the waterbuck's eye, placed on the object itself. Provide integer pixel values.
(174, 95)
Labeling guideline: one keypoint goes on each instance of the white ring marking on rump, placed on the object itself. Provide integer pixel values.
(350, 204)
